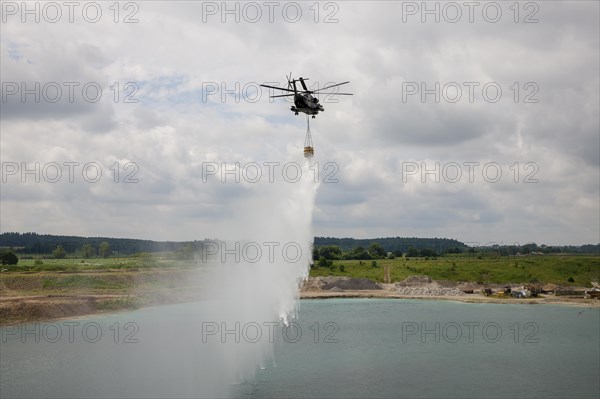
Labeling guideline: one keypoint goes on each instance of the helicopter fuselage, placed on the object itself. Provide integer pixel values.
(306, 103)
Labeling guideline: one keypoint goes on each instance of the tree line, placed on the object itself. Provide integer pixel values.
(442, 246)
(87, 251)
(328, 248)
(394, 244)
(374, 251)
(33, 243)
(324, 255)
(533, 248)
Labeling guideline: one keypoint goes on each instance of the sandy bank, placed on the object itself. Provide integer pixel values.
(16, 307)
(422, 287)
(471, 298)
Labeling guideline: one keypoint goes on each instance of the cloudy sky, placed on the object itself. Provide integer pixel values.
(478, 122)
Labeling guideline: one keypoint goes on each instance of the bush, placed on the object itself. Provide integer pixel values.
(412, 252)
(426, 252)
(571, 280)
(342, 268)
(8, 258)
(38, 262)
(397, 253)
(373, 263)
(360, 253)
(330, 252)
(376, 251)
(59, 252)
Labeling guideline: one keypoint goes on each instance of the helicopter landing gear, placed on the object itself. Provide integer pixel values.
(313, 117)
(296, 113)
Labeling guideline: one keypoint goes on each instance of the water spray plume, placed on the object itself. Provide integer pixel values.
(273, 227)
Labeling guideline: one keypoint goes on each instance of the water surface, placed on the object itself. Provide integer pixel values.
(359, 348)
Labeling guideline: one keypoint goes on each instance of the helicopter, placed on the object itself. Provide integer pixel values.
(304, 101)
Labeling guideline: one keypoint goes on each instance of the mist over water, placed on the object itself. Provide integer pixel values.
(255, 272)
(248, 283)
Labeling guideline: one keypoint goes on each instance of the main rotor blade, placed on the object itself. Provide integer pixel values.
(278, 88)
(328, 87)
(336, 94)
(282, 95)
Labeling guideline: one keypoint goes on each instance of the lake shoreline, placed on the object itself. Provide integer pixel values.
(48, 308)
(469, 298)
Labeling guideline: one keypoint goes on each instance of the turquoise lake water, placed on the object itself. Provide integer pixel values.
(358, 348)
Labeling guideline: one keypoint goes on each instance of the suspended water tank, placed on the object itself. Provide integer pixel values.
(309, 151)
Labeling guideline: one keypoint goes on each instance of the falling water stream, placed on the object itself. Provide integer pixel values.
(256, 271)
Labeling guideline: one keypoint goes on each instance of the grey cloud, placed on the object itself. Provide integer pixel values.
(368, 135)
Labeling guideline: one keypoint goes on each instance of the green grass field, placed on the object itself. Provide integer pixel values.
(555, 269)
(73, 276)
(137, 261)
(558, 269)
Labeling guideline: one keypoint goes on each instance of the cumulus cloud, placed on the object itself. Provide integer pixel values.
(178, 91)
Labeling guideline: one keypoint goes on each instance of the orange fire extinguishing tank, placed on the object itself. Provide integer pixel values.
(309, 151)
